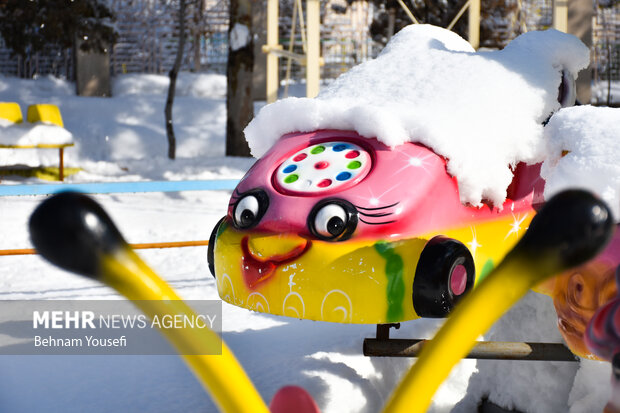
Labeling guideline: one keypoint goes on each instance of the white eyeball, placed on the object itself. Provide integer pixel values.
(246, 211)
(331, 221)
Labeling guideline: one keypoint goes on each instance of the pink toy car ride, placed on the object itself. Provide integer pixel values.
(329, 213)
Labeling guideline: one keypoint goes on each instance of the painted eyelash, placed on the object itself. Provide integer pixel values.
(384, 214)
(361, 210)
(376, 223)
(377, 208)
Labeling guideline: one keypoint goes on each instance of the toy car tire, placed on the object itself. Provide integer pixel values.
(445, 272)
(211, 250)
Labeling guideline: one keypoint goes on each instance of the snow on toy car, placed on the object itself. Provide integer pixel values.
(386, 209)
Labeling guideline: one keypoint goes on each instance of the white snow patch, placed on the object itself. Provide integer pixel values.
(239, 36)
(123, 137)
(33, 134)
(188, 84)
(592, 387)
(483, 111)
(592, 137)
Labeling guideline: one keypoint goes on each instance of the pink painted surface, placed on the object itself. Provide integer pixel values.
(408, 182)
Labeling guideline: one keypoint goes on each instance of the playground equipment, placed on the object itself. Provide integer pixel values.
(334, 226)
(312, 47)
(312, 233)
(73, 232)
(40, 113)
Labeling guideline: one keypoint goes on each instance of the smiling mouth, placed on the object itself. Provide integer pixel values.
(256, 269)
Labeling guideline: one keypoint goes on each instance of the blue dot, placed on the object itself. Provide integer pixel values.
(343, 176)
(289, 169)
(340, 147)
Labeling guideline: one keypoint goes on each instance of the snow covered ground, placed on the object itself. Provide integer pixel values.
(123, 138)
(601, 90)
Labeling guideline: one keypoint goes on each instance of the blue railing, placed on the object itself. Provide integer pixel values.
(120, 187)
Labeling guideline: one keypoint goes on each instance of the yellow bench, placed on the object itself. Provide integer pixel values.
(45, 113)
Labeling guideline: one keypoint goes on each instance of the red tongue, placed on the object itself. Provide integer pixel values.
(255, 270)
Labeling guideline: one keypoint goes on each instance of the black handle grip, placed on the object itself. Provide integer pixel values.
(573, 224)
(72, 231)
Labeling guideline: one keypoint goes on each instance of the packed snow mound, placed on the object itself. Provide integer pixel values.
(483, 111)
(27, 134)
(592, 137)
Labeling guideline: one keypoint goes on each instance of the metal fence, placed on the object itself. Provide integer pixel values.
(52, 60)
(149, 34)
(606, 44)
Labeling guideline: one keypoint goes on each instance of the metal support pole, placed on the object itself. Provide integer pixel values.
(408, 12)
(489, 350)
(313, 75)
(560, 15)
(272, 59)
(383, 330)
(580, 14)
(458, 15)
(61, 164)
(474, 23)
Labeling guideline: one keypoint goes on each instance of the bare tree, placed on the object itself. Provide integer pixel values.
(239, 102)
(173, 82)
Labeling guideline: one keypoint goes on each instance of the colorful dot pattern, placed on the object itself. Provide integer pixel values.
(291, 178)
(322, 167)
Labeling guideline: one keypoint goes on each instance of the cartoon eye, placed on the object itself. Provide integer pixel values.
(250, 209)
(333, 220)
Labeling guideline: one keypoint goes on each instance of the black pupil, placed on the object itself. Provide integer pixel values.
(247, 217)
(335, 226)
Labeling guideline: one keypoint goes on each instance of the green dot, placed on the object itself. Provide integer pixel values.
(317, 150)
(354, 165)
(291, 178)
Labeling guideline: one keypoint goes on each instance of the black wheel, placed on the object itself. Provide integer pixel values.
(211, 250)
(445, 272)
